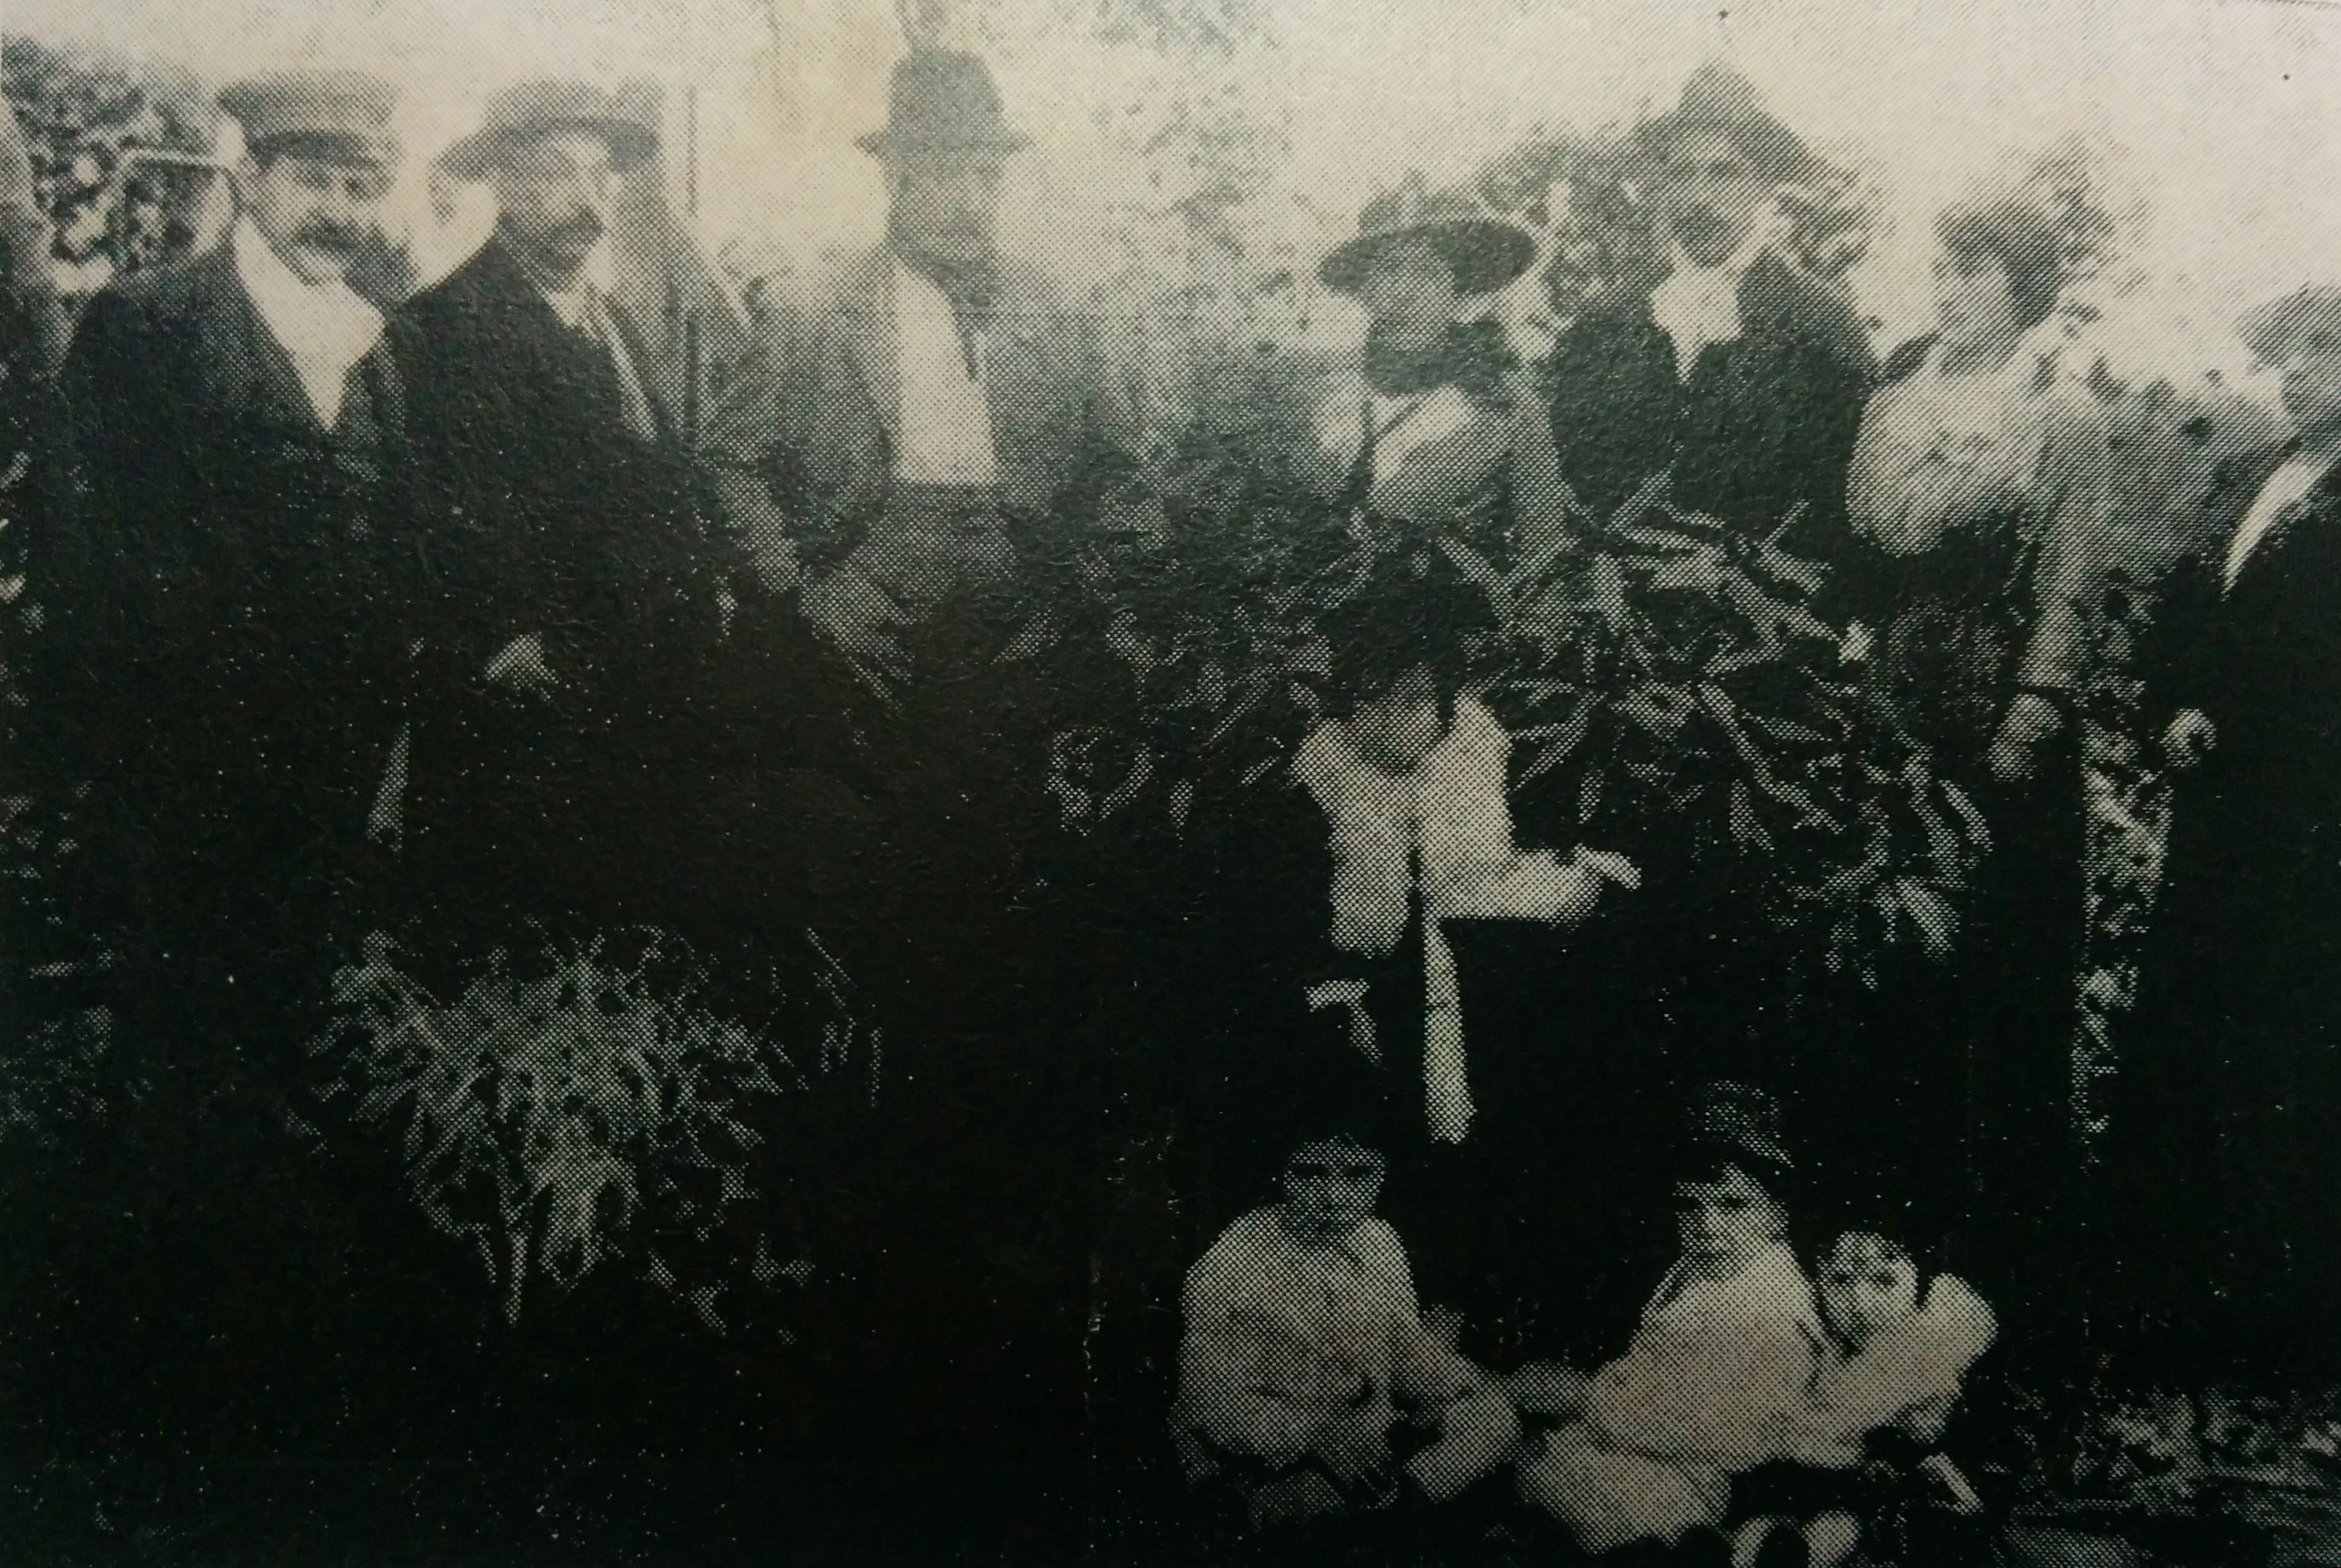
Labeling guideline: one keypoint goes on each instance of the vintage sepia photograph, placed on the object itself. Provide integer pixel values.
(1142, 783)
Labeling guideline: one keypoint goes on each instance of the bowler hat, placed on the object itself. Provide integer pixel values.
(2272, 330)
(943, 100)
(521, 114)
(1485, 251)
(339, 115)
(1719, 99)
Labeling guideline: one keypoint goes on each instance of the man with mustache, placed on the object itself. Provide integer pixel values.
(577, 604)
(1744, 373)
(229, 593)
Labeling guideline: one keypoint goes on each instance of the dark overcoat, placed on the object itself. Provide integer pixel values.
(2229, 1119)
(1764, 424)
(232, 592)
(548, 515)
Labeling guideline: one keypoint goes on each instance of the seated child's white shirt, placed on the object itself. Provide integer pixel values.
(1907, 1375)
(1721, 1371)
(1280, 1330)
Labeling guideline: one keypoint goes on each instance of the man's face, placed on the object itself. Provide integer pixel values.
(1330, 1187)
(1398, 728)
(1410, 293)
(1864, 1282)
(556, 194)
(2310, 367)
(1724, 1223)
(946, 201)
(1709, 195)
(316, 214)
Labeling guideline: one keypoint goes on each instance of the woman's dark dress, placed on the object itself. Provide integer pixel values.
(1976, 516)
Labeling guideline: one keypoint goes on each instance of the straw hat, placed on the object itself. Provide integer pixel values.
(1719, 99)
(1486, 252)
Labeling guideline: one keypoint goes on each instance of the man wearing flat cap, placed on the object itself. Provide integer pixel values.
(1739, 370)
(576, 599)
(2228, 1128)
(230, 582)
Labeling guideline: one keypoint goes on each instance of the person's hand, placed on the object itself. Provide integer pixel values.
(1351, 995)
(519, 668)
(2189, 739)
(855, 615)
(1547, 1388)
(1353, 1445)
(2032, 720)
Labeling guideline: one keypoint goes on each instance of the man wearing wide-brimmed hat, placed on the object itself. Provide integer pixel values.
(1436, 426)
(578, 596)
(1741, 371)
(229, 589)
(2227, 1124)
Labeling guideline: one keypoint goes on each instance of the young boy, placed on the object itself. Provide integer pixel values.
(1306, 1359)
(1719, 1378)
(1899, 1347)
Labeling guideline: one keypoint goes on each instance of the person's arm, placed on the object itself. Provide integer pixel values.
(1221, 1393)
(746, 435)
(2068, 586)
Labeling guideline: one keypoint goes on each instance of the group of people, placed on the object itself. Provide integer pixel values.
(444, 610)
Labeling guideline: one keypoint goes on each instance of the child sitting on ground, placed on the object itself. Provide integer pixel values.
(1307, 1357)
(1900, 1348)
(1718, 1379)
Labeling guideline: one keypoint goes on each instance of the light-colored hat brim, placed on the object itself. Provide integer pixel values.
(1486, 254)
(630, 145)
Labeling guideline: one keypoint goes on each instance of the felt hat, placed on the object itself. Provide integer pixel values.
(530, 109)
(2273, 328)
(1719, 99)
(943, 99)
(342, 117)
(1486, 252)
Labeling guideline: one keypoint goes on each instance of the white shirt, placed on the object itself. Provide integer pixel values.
(1279, 1328)
(2287, 488)
(326, 330)
(1700, 305)
(947, 435)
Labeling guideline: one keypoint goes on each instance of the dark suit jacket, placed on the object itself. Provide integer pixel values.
(1765, 422)
(232, 588)
(2228, 1124)
(548, 515)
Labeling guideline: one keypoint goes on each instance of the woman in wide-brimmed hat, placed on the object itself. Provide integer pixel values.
(1435, 427)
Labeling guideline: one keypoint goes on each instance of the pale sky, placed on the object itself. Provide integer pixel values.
(2219, 111)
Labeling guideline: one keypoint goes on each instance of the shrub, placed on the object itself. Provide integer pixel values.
(581, 1108)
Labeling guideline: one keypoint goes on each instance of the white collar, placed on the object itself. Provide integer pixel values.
(326, 330)
(1700, 305)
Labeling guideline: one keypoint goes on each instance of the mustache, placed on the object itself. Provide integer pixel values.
(340, 239)
(580, 232)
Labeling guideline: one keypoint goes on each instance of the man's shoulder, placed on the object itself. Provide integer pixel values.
(485, 285)
(1817, 314)
(159, 295)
